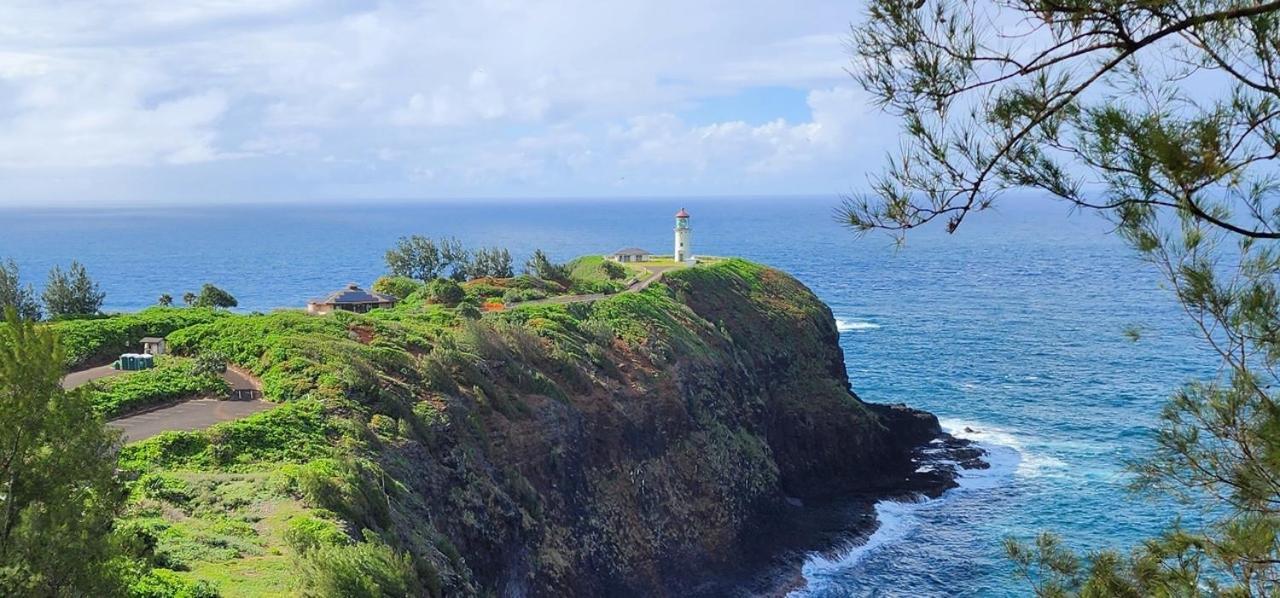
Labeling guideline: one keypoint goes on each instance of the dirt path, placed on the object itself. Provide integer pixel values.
(655, 273)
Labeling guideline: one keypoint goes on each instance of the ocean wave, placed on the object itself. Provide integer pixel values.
(854, 325)
(898, 518)
(1005, 450)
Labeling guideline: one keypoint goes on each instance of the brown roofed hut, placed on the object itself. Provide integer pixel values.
(353, 299)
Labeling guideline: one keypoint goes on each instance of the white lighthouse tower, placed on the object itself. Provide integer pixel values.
(684, 237)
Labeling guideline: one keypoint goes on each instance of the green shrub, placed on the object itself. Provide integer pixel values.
(212, 296)
(597, 267)
(163, 583)
(521, 295)
(595, 274)
(294, 354)
(597, 287)
(640, 316)
(399, 287)
(444, 291)
(383, 425)
(166, 487)
(304, 533)
(482, 289)
(526, 281)
(211, 362)
(469, 310)
(348, 486)
(370, 568)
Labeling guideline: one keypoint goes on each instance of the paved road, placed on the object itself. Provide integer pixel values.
(196, 414)
(240, 379)
(82, 377)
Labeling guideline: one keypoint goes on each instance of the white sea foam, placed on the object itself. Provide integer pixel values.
(898, 518)
(854, 325)
(999, 444)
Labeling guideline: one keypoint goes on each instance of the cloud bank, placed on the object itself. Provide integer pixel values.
(230, 100)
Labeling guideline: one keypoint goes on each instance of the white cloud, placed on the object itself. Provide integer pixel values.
(424, 97)
(773, 147)
(480, 99)
(61, 114)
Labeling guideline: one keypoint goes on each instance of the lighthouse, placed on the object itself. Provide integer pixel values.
(684, 237)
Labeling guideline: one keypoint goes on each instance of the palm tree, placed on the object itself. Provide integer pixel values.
(165, 300)
(189, 298)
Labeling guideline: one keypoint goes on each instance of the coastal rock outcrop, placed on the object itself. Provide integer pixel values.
(659, 454)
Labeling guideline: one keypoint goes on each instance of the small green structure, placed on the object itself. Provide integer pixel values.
(134, 361)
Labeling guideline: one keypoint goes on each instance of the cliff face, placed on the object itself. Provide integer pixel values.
(637, 445)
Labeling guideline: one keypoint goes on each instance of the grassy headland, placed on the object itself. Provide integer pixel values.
(415, 446)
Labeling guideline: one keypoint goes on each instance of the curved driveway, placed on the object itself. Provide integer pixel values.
(185, 415)
(197, 414)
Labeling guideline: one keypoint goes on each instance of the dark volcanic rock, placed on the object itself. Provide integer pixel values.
(715, 440)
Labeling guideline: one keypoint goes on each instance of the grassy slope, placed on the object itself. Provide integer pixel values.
(357, 387)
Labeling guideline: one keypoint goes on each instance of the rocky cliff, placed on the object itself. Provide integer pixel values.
(662, 442)
(723, 396)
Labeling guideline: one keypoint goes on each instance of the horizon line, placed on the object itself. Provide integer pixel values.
(339, 201)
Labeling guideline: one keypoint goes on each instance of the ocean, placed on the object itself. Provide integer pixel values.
(1012, 331)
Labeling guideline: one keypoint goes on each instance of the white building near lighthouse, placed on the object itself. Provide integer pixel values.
(684, 238)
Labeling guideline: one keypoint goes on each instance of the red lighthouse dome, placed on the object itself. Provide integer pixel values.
(682, 213)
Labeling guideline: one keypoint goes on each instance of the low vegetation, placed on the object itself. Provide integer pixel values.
(352, 383)
(399, 287)
(444, 292)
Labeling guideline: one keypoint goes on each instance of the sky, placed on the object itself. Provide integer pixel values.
(135, 101)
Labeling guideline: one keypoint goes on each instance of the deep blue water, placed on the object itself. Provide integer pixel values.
(1013, 328)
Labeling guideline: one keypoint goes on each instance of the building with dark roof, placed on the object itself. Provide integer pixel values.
(353, 298)
(630, 254)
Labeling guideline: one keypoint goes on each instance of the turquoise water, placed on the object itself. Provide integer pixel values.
(1012, 328)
